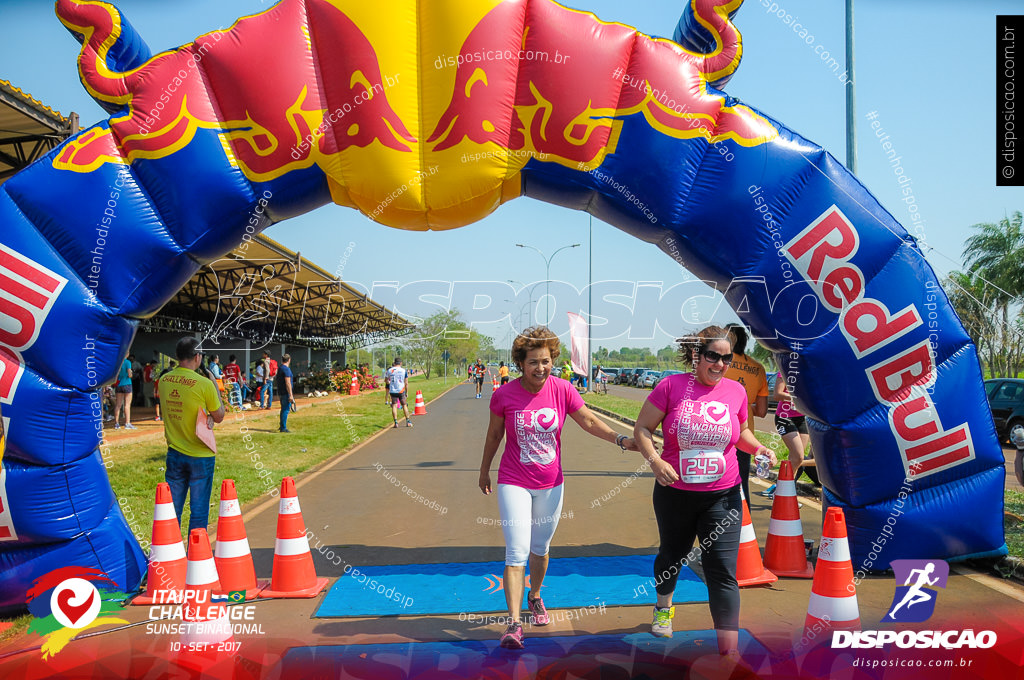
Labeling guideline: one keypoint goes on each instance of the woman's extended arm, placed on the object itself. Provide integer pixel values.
(586, 419)
(495, 433)
(643, 432)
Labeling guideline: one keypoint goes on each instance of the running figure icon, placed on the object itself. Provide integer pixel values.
(916, 594)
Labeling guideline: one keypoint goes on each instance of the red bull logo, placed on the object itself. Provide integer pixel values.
(268, 125)
(570, 103)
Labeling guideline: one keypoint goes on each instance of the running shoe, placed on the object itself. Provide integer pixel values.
(662, 624)
(117, 426)
(540, 614)
(408, 423)
(769, 492)
(395, 427)
(512, 638)
(109, 418)
(129, 426)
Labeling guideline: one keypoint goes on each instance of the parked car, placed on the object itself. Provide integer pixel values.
(665, 374)
(625, 375)
(1006, 399)
(647, 378)
(638, 373)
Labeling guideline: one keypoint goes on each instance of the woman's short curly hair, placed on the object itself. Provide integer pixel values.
(700, 341)
(534, 337)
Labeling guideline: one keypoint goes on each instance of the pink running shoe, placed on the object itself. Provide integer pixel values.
(540, 614)
(512, 638)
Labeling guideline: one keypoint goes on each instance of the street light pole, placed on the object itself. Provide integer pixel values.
(547, 275)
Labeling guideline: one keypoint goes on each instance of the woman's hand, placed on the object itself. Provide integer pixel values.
(663, 472)
(485, 481)
(768, 452)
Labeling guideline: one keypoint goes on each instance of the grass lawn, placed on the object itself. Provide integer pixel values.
(1014, 527)
(252, 452)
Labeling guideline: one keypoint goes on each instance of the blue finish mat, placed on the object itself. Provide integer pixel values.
(454, 588)
(637, 655)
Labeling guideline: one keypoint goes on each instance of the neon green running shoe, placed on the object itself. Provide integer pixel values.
(662, 624)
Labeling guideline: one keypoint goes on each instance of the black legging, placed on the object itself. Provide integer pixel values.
(685, 515)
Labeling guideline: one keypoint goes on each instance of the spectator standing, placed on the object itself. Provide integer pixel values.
(747, 371)
(284, 382)
(269, 372)
(156, 387)
(148, 381)
(123, 398)
(190, 461)
(137, 398)
(233, 381)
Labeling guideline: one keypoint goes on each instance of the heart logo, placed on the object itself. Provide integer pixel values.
(546, 420)
(716, 412)
(73, 612)
(75, 603)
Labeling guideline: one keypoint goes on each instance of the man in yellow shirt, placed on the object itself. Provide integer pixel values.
(190, 461)
(748, 372)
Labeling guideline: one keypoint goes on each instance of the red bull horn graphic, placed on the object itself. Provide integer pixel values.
(430, 115)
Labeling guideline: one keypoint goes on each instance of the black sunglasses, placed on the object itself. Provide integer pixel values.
(715, 357)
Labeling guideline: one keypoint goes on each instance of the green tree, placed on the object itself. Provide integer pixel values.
(994, 256)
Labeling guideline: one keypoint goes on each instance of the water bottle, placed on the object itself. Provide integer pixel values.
(763, 463)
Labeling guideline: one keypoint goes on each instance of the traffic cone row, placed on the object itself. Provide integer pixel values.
(784, 551)
(353, 389)
(421, 408)
(231, 570)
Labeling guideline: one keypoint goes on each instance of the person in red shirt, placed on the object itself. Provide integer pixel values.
(478, 372)
(233, 381)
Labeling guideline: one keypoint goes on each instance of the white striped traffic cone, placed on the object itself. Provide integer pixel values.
(204, 621)
(294, 574)
(167, 563)
(750, 570)
(833, 603)
(231, 552)
(784, 551)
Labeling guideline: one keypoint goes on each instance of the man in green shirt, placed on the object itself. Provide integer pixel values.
(190, 461)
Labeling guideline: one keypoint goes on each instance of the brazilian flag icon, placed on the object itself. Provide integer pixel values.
(236, 596)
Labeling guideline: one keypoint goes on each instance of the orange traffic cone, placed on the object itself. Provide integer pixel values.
(353, 389)
(206, 631)
(784, 552)
(231, 553)
(421, 408)
(204, 621)
(749, 569)
(833, 603)
(167, 563)
(294, 574)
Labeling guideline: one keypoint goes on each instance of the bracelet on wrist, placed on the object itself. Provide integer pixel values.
(619, 439)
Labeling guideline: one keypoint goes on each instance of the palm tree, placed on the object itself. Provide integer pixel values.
(995, 254)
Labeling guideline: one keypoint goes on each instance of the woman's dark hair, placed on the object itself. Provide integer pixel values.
(700, 341)
(740, 333)
(535, 337)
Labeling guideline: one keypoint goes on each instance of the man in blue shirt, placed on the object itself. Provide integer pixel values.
(398, 387)
(285, 381)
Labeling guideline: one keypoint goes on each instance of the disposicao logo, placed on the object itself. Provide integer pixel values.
(67, 601)
(914, 601)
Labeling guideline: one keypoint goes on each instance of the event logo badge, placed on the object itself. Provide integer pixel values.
(70, 600)
(914, 601)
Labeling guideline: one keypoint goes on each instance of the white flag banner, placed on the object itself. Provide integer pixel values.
(580, 345)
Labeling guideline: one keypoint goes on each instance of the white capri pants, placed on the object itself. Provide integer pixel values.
(528, 520)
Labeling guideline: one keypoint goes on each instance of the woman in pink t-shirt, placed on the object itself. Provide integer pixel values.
(531, 411)
(703, 415)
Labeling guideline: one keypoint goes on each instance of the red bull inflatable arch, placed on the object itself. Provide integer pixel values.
(317, 101)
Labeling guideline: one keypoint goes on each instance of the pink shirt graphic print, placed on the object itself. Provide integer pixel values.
(701, 427)
(533, 428)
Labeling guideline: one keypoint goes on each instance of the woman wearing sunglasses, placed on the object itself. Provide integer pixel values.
(697, 496)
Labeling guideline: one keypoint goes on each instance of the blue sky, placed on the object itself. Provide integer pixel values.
(926, 68)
